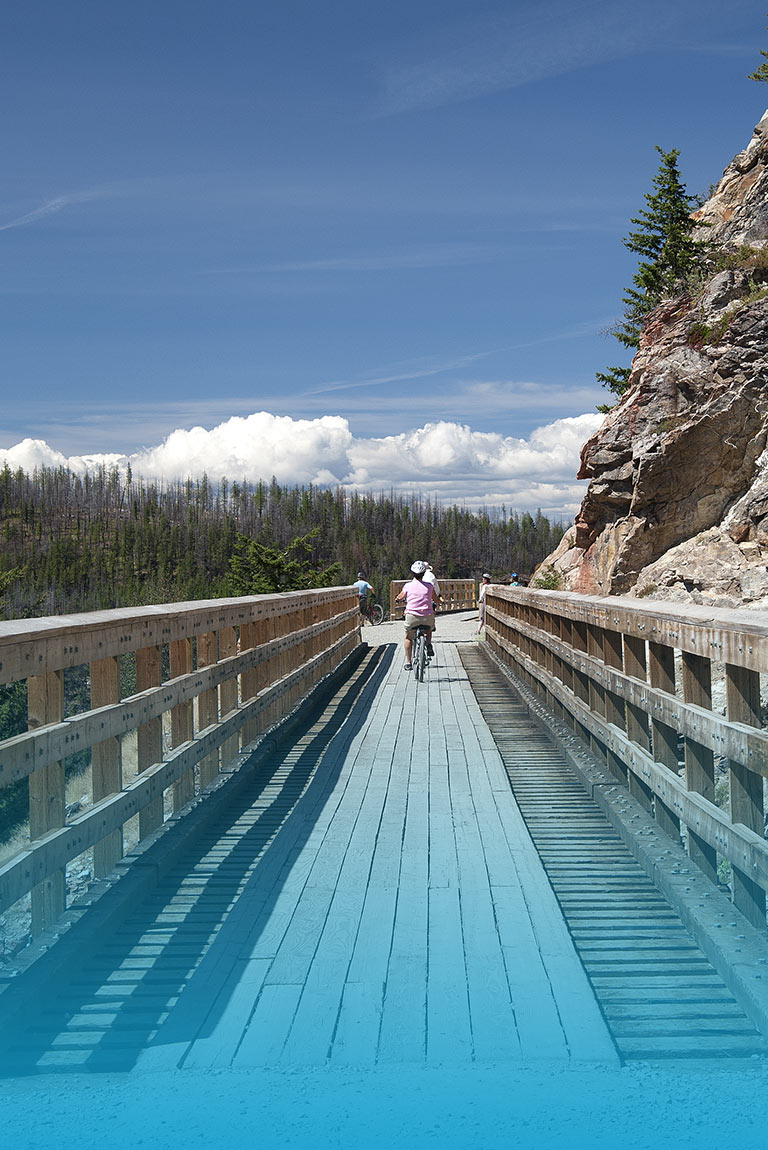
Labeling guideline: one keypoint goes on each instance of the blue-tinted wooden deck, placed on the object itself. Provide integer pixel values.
(409, 920)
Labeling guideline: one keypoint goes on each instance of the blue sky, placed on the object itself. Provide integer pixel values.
(393, 229)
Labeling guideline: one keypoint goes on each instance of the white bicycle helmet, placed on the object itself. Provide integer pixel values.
(419, 567)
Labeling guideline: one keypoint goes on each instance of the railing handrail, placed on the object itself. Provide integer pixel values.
(625, 614)
(32, 646)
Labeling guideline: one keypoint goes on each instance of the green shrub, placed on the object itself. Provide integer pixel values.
(548, 580)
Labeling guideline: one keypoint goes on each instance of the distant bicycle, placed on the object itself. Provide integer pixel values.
(372, 613)
(420, 658)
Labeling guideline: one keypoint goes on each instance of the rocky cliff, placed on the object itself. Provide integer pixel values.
(677, 505)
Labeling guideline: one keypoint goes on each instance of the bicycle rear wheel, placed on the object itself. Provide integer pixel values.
(377, 614)
(420, 656)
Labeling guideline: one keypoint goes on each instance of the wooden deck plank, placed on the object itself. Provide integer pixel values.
(403, 1030)
(238, 996)
(268, 1027)
(403, 1022)
(356, 1040)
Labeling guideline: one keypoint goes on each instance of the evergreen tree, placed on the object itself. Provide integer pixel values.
(261, 568)
(664, 240)
(761, 73)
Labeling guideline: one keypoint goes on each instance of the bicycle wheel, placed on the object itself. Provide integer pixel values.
(420, 656)
(377, 614)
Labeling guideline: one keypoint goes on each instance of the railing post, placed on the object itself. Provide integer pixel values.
(106, 767)
(596, 691)
(580, 678)
(615, 711)
(228, 693)
(250, 634)
(45, 704)
(558, 667)
(182, 720)
(664, 738)
(150, 734)
(566, 670)
(635, 664)
(746, 787)
(208, 705)
(699, 760)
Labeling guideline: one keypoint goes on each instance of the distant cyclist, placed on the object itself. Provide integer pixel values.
(420, 598)
(364, 589)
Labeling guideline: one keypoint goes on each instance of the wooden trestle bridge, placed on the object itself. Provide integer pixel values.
(552, 849)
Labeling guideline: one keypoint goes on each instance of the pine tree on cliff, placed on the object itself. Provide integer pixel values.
(664, 238)
(761, 73)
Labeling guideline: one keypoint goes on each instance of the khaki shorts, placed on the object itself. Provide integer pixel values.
(414, 621)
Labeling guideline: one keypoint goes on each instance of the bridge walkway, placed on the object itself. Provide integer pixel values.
(377, 899)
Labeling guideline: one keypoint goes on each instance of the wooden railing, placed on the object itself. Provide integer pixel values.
(204, 680)
(458, 595)
(668, 697)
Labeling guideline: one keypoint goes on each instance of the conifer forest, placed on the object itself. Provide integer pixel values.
(106, 539)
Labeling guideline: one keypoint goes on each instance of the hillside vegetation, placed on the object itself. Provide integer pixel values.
(71, 543)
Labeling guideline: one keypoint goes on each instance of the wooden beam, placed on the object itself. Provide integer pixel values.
(722, 635)
(39, 646)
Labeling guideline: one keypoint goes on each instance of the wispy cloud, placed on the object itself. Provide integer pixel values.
(424, 367)
(401, 373)
(51, 207)
(510, 52)
(430, 256)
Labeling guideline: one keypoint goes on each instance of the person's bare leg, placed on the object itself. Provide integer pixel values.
(408, 644)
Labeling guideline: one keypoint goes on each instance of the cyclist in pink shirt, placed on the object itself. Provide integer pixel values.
(420, 598)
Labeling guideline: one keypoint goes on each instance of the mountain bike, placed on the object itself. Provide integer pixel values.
(419, 656)
(372, 613)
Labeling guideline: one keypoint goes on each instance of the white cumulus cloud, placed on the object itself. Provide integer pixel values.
(443, 459)
(255, 447)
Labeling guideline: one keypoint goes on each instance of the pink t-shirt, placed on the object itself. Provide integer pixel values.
(418, 598)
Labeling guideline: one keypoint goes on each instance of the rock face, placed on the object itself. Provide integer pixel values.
(677, 505)
(737, 211)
